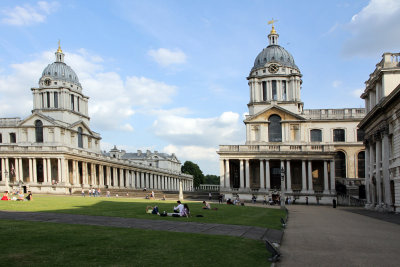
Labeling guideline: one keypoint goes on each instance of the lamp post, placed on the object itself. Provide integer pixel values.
(282, 187)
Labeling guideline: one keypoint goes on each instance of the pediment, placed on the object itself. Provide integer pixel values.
(30, 120)
(85, 127)
(264, 115)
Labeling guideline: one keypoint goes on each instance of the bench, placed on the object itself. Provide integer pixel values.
(273, 250)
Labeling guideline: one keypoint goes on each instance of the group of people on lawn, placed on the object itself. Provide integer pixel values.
(92, 192)
(18, 196)
(180, 210)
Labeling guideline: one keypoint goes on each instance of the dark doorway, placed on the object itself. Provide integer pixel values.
(296, 173)
(275, 174)
(39, 170)
(234, 167)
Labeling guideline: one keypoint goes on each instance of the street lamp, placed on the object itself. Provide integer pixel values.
(282, 187)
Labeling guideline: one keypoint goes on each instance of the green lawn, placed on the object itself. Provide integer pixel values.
(51, 244)
(135, 208)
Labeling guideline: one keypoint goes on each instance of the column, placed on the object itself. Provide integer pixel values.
(247, 174)
(227, 174)
(262, 174)
(151, 177)
(241, 175)
(288, 177)
(85, 177)
(371, 173)
(310, 183)
(121, 178)
(49, 174)
(221, 173)
(378, 157)
(101, 175)
(283, 187)
(34, 170)
(21, 174)
(367, 176)
(326, 183)
(59, 170)
(142, 180)
(108, 176)
(333, 185)
(303, 177)
(385, 171)
(267, 175)
(44, 170)
(30, 169)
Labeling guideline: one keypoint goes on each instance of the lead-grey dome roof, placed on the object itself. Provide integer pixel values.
(60, 71)
(276, 54)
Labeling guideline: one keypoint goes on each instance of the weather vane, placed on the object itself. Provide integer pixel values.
(272, 21)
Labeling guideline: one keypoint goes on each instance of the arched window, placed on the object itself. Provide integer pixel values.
(80, 140)
(316, 135)
(340, 165)
(361, 164)
(275, 129)
(39, 131)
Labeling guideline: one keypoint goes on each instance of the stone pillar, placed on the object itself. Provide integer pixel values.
(267, 175)
(85, 177)
(34, 170)
(288, 177)
(333, 180)
(221, 173)
(378, 171)
(385, 171)
(262, 174)
(45, 179)
(21, 174)
(247, 174)
(303, 176)
(30, 169)
(371, 174)
(310, 183)
(241, 175)
(142, 185)
(326, 183)
(151, 184)
(227, 174)
(367, 176)
(59, 170)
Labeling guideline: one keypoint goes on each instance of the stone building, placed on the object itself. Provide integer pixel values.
(54, 150)
(307, 148)
(382, 134)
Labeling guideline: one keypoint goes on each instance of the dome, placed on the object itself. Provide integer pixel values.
(60, 71)
(276, 54)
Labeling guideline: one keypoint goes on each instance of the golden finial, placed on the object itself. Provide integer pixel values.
(273, 27)
(59, 47)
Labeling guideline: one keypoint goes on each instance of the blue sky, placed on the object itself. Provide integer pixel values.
(171, 75)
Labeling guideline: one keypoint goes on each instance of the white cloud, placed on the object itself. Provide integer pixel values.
(166, 57)
(224, 129)
(374, 29)
(357, 93)
(113, 99)
(27, 14)
(336, 83)
(192, 153)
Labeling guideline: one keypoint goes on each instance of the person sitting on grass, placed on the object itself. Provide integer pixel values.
(20, 196)
(206, 205)
(29, 196)
(185, 211)
(229, 202)
(149, 209)
(5, 196)
(178, 209)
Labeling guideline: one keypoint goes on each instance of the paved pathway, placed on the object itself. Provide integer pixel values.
(250, 232)
(323, 236)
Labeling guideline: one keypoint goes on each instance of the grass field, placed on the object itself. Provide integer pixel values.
(135, 208)
(50, 244)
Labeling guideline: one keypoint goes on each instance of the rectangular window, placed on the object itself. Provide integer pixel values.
(55, 99)
(264, 88)
(48, 99)
(274, 95)
(339, 135)
(72, 103)
(360, 135)
(42, 99)
(77, 103)
(13, 138)
(284, 95)
(316, 135)
(1, 139)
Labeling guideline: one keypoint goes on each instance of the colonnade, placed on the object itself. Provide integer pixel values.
(75, 172)
(377, 177)
(265, 175)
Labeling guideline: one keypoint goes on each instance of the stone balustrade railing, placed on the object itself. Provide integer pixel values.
(334, 113)
(276, 148)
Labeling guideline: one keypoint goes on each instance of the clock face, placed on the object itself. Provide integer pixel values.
(47, 82)
(273, 68)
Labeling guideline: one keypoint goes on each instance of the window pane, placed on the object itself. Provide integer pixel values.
(275, 129)
(55, 99)
(264, 85)
(13, 138)
(316, 135)
(39, 131)
(340, 165)
(274, 95)
(80, 141)
(360, 135)
(361, 164)
(284, 90)
(339, 135)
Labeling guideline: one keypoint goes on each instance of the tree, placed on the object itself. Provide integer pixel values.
(193, 169)
(211, 179)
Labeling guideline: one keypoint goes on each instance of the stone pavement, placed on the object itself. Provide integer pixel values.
(323, 236)
(250, 232)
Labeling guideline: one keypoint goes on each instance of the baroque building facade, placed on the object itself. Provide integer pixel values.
(54, 150)
(382, 134)
(299, 151)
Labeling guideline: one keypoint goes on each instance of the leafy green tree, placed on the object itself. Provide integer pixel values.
(211, 179)
(193, 169)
